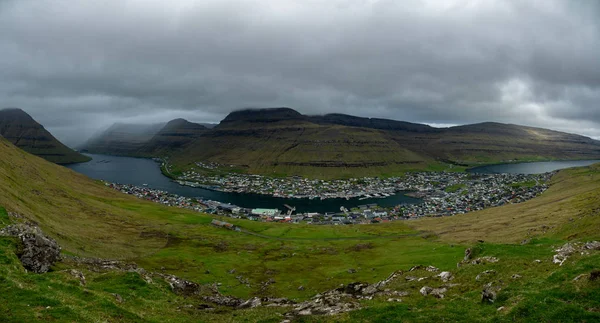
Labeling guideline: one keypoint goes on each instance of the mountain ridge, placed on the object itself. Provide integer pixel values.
(282, 141)
(175, 135)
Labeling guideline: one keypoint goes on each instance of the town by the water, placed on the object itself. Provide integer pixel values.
(442, 194)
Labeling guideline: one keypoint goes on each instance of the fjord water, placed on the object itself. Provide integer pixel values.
(532, 168)
(140, 171)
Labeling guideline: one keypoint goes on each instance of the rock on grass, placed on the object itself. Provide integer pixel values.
(38, 252)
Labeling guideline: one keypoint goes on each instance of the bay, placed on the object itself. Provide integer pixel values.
(140, 171)
(532, 168)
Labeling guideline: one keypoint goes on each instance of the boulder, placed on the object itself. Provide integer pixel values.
(439, 292)
(182, 286)
(468, 254)
(38, 252)
(118, 298)
(425, 290)
(488, 294)
(223, 300)
(436, 292)
(251, 303)
(276, 301)
(445, 276)
(483, 260)
(593, 245)
(78, 274)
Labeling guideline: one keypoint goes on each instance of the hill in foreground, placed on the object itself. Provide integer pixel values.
(217, 270)
(22, 130)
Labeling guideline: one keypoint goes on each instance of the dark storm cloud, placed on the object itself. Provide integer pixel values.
(79, 66)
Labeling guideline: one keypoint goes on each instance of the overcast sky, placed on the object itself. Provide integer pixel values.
(78, 66)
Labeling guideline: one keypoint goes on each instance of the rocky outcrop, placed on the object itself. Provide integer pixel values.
(445, 276)
(79, 275)
(489, 293)
(431, 269)
(468, 254)
(37, 252)
(435, 292)
(181, 286)
(223, 300)
(568, 249)
(484, 260)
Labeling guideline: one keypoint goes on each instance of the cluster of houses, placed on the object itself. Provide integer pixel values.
(462, 193)
(442, 194)
(290, 187)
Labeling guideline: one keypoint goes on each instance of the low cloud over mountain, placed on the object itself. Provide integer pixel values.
(78, 67)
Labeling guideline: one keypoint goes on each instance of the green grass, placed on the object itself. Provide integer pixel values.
(90, 220)
(527, 184)
(4, 219)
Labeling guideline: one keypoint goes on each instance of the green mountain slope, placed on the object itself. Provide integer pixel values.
(283, 142)
(175, 135)
(19, 128)
(286, 143)
(90, 220)
(495, 142)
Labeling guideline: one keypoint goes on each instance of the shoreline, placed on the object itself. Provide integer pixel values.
(359, 197)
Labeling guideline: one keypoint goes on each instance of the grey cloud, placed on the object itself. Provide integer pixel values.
(79, 66)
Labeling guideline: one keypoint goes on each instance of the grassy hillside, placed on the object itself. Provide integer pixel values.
(90, 220)
(490, 142)
(283, 142)
(19, 128)
(174, 136)
(285, 148)
(568, 210)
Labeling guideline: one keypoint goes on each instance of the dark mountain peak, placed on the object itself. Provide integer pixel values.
(374, 123)
(174, 135)
(178, 121)
(181, 123)
(263, 115)
(18, 127)
(16, 115)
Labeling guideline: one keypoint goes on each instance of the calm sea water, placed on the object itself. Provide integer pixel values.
(139, 171)
(532, 168)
